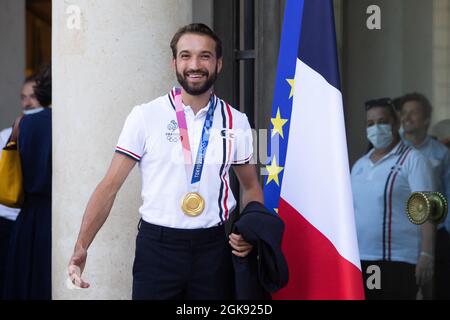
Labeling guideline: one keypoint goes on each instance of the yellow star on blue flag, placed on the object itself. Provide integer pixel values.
(284, 92)
(274, 170)
(278, 124)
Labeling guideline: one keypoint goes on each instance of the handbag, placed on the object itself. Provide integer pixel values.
(11, 186)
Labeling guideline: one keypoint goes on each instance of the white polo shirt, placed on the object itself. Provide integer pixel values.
(439, 157)
(6, 212)
(151, 137)
(380, 194)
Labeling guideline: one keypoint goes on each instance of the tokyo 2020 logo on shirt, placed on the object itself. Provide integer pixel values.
(172, 135)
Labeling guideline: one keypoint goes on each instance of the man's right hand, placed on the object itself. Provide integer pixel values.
(97, 211)
(76, 267)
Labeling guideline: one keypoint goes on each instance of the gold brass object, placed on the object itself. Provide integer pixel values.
(193, 204)
(423, 206)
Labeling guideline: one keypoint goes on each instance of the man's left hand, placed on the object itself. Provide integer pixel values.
(240, 246)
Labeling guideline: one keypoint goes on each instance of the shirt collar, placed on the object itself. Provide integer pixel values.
(201, 112)
(33, 111)
(424, 143)
(394, 151)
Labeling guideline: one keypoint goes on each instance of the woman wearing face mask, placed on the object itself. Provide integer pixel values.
(382, 181)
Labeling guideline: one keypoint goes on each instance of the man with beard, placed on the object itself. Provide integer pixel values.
(185, 143)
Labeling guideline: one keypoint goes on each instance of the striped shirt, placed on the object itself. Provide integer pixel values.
(380, 193)
(151, 137)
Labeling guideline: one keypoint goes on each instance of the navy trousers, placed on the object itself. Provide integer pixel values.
(176, 264)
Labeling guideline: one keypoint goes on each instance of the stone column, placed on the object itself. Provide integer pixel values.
(107, 57)
(12, 59)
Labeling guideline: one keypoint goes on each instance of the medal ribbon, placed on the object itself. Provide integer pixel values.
(204, 141)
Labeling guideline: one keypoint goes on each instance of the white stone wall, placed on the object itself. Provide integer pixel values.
(202, 11)
(441, 60)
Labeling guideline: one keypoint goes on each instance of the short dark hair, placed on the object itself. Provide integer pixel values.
(196, 28)
(43, 87)
(421, 99)
(382, 103)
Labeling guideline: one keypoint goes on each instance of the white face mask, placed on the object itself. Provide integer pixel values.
(380, 135)
(32, 111)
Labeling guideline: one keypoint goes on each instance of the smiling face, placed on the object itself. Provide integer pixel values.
(414, 118)
(196, 64)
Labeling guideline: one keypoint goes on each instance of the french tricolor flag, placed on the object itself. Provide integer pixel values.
(308, 181)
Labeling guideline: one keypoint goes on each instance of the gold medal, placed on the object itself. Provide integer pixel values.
(193, 204)
(423, 206)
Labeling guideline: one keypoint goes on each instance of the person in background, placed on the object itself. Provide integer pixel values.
(28, 266)
(29, 103)
(416, 111)
(382, 181)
